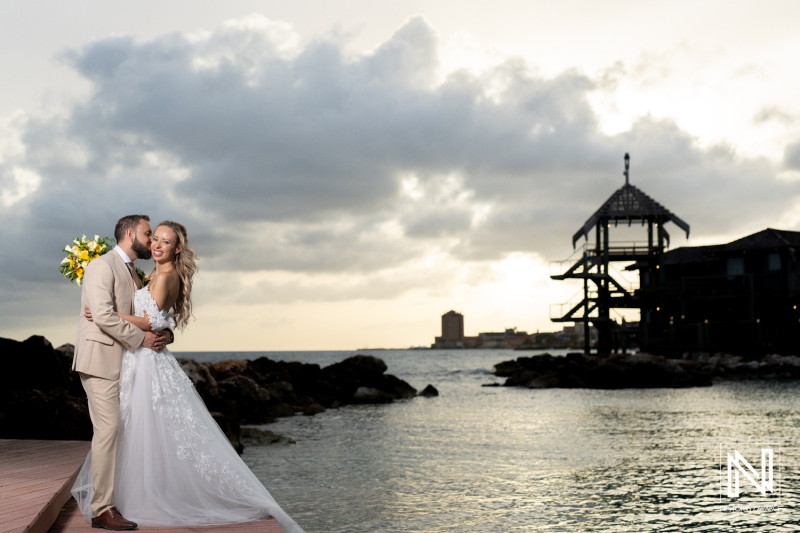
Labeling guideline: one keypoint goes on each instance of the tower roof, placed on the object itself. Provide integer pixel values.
(630, 203)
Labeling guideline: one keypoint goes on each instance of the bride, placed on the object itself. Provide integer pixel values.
(174, 465)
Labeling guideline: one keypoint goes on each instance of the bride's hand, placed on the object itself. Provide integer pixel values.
(87, 314)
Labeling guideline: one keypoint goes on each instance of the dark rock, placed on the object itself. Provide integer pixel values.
(264, 370)
(203, 380)
(37, 377)
(65, 353)
(282, 391)
(365, 365)
(303, 376)
(262, 437)
(340, 382)
(252, 400)
(490, 384)
(429, 392)
(279, 410)
(370, 395)
(31, 364)
(312, 409)
(228, 368)
(395, 387)
(326, 392)
(39, 398)
(34, 414)
(609, 372)
(361, 367)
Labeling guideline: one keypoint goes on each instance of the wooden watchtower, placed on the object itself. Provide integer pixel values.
(601, 291)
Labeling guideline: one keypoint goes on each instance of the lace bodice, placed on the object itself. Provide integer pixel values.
(143, 303)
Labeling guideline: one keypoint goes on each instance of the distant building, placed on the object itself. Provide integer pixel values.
(568, 337)
(452, 331)
(453, 326)
(510, 338)
(472, 342)
(453, 335)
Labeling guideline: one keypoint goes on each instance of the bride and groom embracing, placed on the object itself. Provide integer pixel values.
(157, 455)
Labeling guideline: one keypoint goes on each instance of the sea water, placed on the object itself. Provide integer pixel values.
(498, 459)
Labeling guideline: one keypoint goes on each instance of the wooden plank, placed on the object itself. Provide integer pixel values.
(50, 513)
(36, 479)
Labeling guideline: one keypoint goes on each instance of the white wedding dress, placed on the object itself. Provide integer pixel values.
(175, 467)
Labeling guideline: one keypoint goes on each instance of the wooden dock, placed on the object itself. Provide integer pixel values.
(35, 481)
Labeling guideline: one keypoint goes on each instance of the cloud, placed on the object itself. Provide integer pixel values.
(774, 113)
(791, 156)
(282, 157)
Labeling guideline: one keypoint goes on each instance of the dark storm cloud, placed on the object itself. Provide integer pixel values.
(297, 158)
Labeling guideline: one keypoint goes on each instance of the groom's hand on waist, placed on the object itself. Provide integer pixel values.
(155, 341)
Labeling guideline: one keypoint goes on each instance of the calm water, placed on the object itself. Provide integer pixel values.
(498, 460)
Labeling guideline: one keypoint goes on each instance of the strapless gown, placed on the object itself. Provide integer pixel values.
(175, 467)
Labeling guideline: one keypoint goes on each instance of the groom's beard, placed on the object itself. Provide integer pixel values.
(142, 251)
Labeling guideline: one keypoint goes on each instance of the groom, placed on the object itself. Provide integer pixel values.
(109, 285)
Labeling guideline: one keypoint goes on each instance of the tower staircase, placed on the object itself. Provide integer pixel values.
(602, 291)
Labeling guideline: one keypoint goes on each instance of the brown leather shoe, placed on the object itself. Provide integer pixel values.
(113, 520)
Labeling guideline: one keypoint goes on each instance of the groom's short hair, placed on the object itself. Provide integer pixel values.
(127, 222)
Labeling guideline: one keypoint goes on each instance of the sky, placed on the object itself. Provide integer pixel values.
(349, 171)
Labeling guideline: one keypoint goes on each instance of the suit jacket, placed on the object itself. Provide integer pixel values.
(108, 289)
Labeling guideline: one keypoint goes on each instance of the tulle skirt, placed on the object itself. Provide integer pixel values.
(174, 466)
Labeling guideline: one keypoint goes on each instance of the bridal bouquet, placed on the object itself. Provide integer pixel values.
(79, 253)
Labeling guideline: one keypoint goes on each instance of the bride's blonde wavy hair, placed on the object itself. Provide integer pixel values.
(185, 263)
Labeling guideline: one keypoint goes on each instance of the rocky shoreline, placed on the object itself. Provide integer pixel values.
(618, 371)
(41, 398)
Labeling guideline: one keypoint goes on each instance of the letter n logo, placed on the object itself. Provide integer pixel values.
(737, 465)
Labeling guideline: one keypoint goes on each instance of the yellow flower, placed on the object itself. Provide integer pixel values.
(80, 253)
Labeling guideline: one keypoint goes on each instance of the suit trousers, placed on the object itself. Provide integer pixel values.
(103, 395)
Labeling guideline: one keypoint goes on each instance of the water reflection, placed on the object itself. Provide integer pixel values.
(501, 460)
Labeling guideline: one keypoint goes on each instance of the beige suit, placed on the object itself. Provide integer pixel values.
(108, 289)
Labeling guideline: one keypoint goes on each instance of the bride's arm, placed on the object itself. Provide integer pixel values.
(141, 322)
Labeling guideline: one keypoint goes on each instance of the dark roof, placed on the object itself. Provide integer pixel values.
(629, 203)
(765, 239)
(692, 254)
(768, 238)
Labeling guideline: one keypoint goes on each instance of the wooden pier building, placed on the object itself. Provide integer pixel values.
(602, 291)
